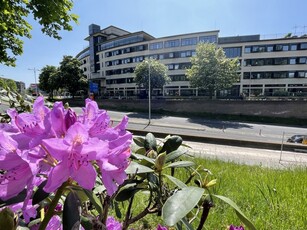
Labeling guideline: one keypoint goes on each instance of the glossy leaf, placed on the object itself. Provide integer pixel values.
(175, 155)
(94, 199)
(176, 181)
(40, 194)
(180, 204)
(137, 168)
(86, 223)
(71, 212)
(126, 193)
(180, 164)
(150, 142)
(239, 213)
(139, 141)
(171, 144)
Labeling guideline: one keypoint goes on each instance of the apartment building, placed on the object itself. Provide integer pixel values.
(270, 67)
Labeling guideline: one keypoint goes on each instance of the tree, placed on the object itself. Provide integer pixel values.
(211, 70)
(53, 16)
(157, 71)
(49, 79)
(72, 76)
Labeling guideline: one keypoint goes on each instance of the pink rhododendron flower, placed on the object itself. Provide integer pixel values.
(74, 154)
(232, 227)
(112, 224)
(160, 227)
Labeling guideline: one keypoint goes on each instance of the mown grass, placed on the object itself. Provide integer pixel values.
(270, 198)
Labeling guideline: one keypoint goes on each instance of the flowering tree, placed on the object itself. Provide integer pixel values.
(63, 171)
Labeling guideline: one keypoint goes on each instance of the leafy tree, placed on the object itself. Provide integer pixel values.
(71, 75)
(52, 15)
(11, 84)
(157, 71)
(211, 70)
(49, 79)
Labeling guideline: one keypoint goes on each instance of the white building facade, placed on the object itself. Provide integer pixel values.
(268, 67)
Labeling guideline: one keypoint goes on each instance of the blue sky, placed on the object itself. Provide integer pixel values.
(159, 18)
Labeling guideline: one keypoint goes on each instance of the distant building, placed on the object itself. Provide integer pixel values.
(268, 67)
(21, 87)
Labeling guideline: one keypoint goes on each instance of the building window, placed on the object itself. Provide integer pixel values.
(292, 61)
(171, 67)
(278, 47)
(171, 43)
(285, 48)
(247, 49)
(171, 55)
(161, 56)
(156, 46)
(233, 52)
(208, 39)
(182, 54)
(269, 48)
(302, 60)
(188, 41)
(291, 74)
(293, 47)
(303, 46)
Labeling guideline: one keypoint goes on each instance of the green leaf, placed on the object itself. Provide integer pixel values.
(94, 199)
(176, 181)
(180, 164)
(171, 144)
(71, 212)
(175, 154)
(40, 194)
(139, 141)
(180, 204)
(137, 168)
(239, 213)
(142, 157)
(86, 223)
(187, 224)
(7, 219)
(126, 193)
(150, 142)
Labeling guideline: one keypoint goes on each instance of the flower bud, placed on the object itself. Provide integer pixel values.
(160, 161)
(70, 118)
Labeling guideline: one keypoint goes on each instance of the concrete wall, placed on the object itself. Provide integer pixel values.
(283, 109)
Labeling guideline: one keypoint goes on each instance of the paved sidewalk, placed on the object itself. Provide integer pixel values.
(248, 156)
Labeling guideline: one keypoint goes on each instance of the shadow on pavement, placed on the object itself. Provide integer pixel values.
(220, 124)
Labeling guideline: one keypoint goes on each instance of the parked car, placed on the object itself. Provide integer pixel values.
(297, 139)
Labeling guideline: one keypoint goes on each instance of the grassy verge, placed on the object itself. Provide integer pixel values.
(271, 199)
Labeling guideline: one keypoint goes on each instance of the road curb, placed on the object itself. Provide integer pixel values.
(226, 141)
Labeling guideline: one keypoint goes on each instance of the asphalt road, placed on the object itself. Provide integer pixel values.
(220, 130)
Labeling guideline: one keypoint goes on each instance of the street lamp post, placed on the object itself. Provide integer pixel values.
(36, 87)
(149, 94)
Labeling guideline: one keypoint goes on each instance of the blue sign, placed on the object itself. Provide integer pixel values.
(93, 87)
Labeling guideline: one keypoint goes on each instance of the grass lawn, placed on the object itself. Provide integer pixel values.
(270, 198)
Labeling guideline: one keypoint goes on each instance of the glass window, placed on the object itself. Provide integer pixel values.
(171, 43)
(302, 60)
(293, 47)
(176, 66)
(292, 61)
(303, 46)
(233, 52)
(301, 74)
(247, 49)
(278, 47)
(209, 39)
(171, 55)
(269, 48)
(171, 66)
(156, 46)
(183, 54)
(285, 47)
(291, 74)
(255, 48)
(188, 41)
(161, 56)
